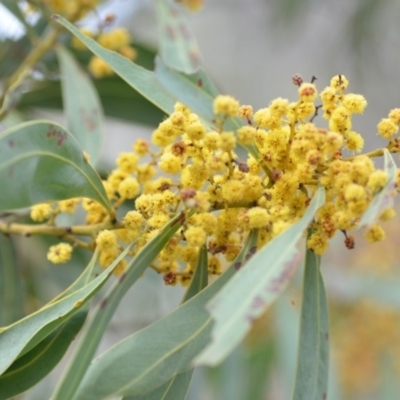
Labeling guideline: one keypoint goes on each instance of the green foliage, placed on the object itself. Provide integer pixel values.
(313, 355)
(41, 161)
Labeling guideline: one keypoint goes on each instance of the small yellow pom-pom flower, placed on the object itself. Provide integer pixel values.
(170, 163)
(394, 115)
(127, 162)
(107, 257)
(318, 243)
(106, 240)
(68, 206)
(214, 266)
(195, 236)
(355, 103)
(133, 220)
(60, 253)
(141, 147)
(339, 82)
(377, 180)
(328, 95)
(41, 212)
(99, 68)
(340, 120)
(247, 134)
(228, 141)
(387, 128)
(354, 192)
(375, 234)
(245, 112)
(115, 39)
(212, 141)
(354, 141)
(308, 92)
(305, 109)
(279, 107)
(226, 105)
(233, 191)
(116, 177)
(258, 217)
(195, 131)
(387, 214)
(129, 188)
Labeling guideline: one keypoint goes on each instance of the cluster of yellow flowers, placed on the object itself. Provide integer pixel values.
(199, 170)
(70, 9)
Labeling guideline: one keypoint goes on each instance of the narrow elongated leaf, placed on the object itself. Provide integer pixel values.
(41, 161)
(84, 278)
(175, 389)
(81, 104)
(255, 287)
(178, 386)
(178, 47)
(200, 277)
(151, 357)
(38, 362)
(384, 198)
(188, 89)
(11, 294)
(313, 354)
(25, 334)
(106, 308)
(139, 78)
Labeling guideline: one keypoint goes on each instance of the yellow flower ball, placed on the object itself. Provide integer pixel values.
(60, 253)
(387, 128)
(375, 234)
(226, 105)
(106, 240)
(41, 212)
(129, 188)
(99, 68)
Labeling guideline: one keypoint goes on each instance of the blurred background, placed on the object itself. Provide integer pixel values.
(251, 49)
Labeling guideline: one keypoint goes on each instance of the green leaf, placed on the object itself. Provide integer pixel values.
(151, 357)
(12, 118)
(139, 78)
(106, 308)
(200, 277)
(178, 386)
(178, 47)
(255, 287)
(11, 293)
(175, 389)
(81, 104)
(38, 362)
(41, 161)
(311, 381)
(83, 279)
(384, 198)
(20, 337)
(188, 89)
(119, 100)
